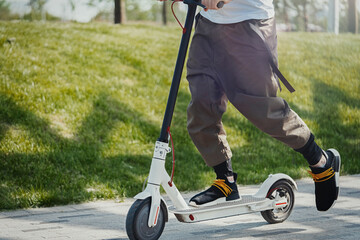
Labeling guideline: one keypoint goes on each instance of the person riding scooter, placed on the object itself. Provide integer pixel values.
(229, 61)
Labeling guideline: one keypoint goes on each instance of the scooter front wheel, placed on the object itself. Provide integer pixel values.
(278, 215)
(137, 221)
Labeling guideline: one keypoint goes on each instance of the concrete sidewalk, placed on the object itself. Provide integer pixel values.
(106, 220)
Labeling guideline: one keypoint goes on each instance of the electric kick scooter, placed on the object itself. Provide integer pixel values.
(147, 216)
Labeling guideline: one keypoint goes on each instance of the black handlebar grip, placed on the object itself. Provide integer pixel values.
(220, 4)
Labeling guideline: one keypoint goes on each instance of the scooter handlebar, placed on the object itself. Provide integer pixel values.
(220, 4)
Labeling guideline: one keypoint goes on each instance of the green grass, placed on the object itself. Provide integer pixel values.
(81, 107)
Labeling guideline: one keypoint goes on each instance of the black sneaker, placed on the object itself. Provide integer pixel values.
(327, 181)
(220, 191)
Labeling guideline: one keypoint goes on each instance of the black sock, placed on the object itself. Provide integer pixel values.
(311, 151)
(223, 169)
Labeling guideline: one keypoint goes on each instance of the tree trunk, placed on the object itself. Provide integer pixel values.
(286, 16)
(305, 16)
(353, 17)
(164, 13)
(119, 12)
(334, 16)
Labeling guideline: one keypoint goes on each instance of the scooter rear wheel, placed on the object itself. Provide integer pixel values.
(279, 215)
(137, 221)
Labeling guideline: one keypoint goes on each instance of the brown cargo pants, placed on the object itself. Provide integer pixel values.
(229, 62)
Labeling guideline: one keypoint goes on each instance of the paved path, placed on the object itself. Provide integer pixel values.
(106, 220)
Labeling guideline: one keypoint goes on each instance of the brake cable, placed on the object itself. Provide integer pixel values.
(172, 9)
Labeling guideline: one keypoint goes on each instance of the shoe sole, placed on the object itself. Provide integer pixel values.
(215, 202)
(337, 166)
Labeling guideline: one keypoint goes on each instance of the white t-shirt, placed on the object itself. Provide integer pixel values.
(241, 10)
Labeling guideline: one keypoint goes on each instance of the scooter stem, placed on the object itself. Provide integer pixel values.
(158, 175)
(192, 4)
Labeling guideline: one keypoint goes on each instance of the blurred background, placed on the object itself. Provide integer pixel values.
(82, 98)
(292, 15)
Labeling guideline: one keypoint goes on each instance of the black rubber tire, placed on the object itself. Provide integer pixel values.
(280, 215)
(137, 221)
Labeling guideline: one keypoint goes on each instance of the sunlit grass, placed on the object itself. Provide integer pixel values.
(81, 107)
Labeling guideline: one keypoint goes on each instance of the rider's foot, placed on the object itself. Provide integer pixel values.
(326, 180)
(223, 189)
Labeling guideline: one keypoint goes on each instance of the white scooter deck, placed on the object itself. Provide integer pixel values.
(247, 204)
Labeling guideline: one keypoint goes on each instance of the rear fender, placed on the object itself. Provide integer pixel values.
(273, 178)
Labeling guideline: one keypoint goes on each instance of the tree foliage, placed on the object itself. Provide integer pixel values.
(309, 15)
(5, 13)
(37, 9)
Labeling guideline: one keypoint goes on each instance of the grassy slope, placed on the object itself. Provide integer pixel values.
(81, 106)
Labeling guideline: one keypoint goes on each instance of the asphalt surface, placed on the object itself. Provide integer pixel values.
(105, 220)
